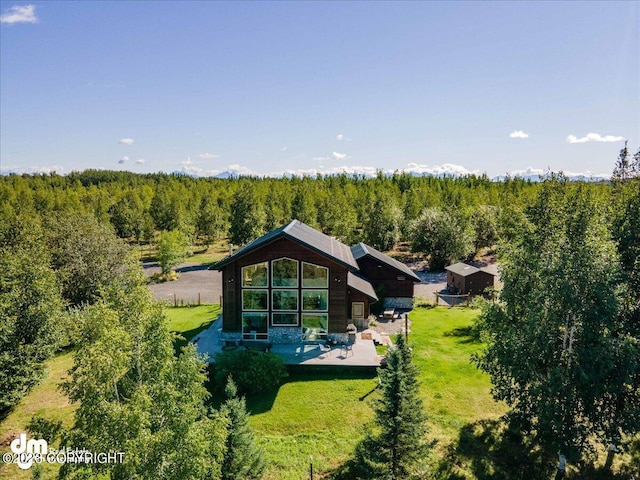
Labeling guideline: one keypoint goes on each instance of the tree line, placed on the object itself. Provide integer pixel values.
(447, 217)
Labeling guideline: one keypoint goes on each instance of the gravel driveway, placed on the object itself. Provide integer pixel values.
(194, 280)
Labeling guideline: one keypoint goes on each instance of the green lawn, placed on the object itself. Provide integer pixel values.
(323, 414)
(45, 400)
(189, 321)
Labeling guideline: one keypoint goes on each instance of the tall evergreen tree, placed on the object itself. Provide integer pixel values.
(393, 446)
(243, 459)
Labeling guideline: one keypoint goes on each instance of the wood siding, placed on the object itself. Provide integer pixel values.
(474, 283)
(281, 248)
(380, 274)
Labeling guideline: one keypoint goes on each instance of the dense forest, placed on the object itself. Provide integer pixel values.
(380, 211)
(570, 253)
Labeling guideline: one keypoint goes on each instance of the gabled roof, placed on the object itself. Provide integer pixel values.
(465, 270)
(304, 235)
(360, 284)
(362, 249)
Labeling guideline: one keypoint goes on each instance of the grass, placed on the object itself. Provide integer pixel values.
(202, 254)
(189, 321)
(45, 400)
(322, 414)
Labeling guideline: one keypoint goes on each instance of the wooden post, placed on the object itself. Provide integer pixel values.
(175, 300)
(198, 298)
(406, 328)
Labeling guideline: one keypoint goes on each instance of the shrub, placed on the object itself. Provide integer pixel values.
(251, 370)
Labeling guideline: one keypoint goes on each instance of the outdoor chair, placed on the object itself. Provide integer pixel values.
(348, 347)
(324, 349)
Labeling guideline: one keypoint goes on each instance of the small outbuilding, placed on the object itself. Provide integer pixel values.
(463, 278)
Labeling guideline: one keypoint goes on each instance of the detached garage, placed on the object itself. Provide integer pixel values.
(463, 279)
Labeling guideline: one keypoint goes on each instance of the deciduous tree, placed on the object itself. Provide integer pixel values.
(30, 308)
(441, 235)
(172, 249)
(134, 396)
(553, 339)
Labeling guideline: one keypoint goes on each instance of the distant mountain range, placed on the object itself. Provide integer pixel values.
(445, 170)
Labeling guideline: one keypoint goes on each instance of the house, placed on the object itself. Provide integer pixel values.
(391, 279)
(463, 278)
(296, 284)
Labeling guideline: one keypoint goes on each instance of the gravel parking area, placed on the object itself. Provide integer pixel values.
(195, 280)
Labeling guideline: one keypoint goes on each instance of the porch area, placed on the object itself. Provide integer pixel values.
(362, 353)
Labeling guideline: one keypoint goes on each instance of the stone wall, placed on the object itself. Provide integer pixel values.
(399, 302)
(285, 335)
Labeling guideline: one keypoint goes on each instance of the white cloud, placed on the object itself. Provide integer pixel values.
(339, 156)
(20, 14)
(340, 137)
(123, 160)
(208, 156)
(284, 149)
(187, 162)
(127, 141)
(141, 161)
(594, 137)
(519, 134)
(32, 170)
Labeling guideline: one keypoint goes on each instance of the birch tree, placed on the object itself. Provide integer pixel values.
(551, 338)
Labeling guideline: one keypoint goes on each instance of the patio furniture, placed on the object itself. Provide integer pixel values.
(348, 347)
(324, 349)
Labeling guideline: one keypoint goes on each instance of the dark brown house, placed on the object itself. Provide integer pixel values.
(463, 279)
(391, 279)
(291, 285)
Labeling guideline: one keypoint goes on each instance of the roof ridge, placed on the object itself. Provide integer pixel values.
(290, 225)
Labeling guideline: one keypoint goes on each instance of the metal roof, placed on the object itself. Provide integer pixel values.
(362, 249)
(362, 285)
(465, 270)
(302, 234)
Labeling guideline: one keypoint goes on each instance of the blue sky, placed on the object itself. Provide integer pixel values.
(268, 87)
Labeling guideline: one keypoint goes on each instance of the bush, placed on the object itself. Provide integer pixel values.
(252, 371)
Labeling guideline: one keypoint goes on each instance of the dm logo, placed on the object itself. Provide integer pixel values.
(28, 450)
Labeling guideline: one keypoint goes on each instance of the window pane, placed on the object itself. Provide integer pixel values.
(284, 319)
(314, 326)
(314, 299)
(285, 273)
(314, 276)
(285, 299)
(255, 299)
(255, 275)
(254, 325)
